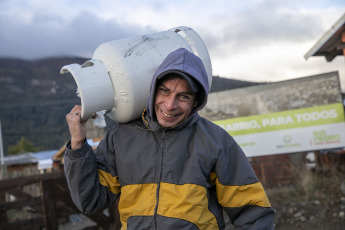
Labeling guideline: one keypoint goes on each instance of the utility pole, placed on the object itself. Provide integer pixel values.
(3, 167)
(1, 148)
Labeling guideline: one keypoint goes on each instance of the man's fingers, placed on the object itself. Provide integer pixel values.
(76, 109)
(75, 113)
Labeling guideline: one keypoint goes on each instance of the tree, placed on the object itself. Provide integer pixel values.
(23, 146)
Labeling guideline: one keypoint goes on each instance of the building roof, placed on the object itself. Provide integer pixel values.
(45, 159)
(330, 44)
(39, 158)
(60, 153)
(20, 159)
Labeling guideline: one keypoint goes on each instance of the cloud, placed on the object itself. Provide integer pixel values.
(251, 40)
(49, 35)
(261, 26)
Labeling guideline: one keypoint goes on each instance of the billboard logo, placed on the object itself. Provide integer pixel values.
(321, 137)
(287, 140)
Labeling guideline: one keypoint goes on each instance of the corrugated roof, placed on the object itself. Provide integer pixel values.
(20, 159)
(44, 154)
(29, 158)
(329, 45)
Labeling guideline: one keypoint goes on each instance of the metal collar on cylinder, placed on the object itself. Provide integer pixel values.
(94, 87)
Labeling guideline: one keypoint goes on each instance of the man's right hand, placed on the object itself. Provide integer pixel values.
(77, 127)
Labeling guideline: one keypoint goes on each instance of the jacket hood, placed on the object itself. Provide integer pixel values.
(185, 62)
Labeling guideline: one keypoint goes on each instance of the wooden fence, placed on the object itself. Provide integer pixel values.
(49, 208)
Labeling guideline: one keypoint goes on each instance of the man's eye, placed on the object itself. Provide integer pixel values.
(184, 98)
(163, 91)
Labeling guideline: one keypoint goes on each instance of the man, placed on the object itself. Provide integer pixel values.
(171, 169)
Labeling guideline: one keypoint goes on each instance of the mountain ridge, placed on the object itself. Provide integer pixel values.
(35, 98)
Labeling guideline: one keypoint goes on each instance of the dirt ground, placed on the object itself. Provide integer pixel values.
(311, 215)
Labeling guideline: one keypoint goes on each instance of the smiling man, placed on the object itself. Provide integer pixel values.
(171, 169)
(174, 100)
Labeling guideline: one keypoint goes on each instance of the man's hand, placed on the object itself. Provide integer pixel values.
(77, 127)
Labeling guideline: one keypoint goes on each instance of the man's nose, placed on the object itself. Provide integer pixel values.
(171, 102)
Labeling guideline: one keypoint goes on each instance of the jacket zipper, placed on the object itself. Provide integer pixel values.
(159, 165)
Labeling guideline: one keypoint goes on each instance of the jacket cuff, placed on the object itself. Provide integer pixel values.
(76, 153)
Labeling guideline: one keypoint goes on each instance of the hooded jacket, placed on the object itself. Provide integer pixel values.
(176, 178)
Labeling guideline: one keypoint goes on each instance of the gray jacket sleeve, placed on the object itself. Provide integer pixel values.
(85, 176)
(239, 192)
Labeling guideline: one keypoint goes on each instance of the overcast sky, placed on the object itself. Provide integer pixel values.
(257, 40)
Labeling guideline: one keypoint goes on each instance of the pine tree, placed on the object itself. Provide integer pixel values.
(23, 146)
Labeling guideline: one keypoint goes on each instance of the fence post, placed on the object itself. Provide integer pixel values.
(49, 205)
(3, 176)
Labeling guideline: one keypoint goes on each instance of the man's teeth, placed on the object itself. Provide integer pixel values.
(167, 115)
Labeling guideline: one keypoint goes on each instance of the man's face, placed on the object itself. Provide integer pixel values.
(174, 101)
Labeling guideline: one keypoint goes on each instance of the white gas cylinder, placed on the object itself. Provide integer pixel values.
(118, 77)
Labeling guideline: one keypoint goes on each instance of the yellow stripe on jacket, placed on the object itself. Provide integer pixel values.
(232, 196)
(137, 200)
(109, 181)
(187, 202)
